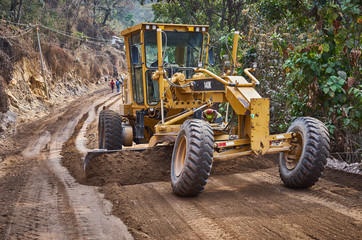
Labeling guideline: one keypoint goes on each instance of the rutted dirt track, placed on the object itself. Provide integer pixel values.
(244, 198)
(39, 198)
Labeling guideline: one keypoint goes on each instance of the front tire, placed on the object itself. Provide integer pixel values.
(302, 166)
(192, 158)
(109, 130)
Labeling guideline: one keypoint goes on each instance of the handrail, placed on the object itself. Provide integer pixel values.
(235, 49)
(215, 76)
(246, 71)
(207, 49)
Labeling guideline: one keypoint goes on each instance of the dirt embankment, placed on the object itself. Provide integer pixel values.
(130, 167)
(72, 68)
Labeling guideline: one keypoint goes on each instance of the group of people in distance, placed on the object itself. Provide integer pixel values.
(118, 83)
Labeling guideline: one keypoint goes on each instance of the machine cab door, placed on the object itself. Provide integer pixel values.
(134, 42)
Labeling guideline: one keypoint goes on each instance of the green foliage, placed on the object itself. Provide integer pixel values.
(74, 15)
(169, 13)
(320, 45)
(323, 73)
(222, 108)
(279, 43)
(220, 15)
(271, 9)
(80, 35)
(130, 20)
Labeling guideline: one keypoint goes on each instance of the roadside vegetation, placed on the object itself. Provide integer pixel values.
(307, 54)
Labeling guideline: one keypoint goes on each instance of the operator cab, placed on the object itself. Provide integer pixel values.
(182, 51)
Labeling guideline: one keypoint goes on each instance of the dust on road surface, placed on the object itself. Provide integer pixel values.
(244, 198)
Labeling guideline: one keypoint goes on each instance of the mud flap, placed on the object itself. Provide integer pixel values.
(259, 119)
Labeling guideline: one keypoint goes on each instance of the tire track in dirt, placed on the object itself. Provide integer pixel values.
(92, 115)
(52, 204)
(152, 221)
(315, 204)
(249, 205)
(195, 215)
(37, 211)
(322, 197)
(35, 147)
(251, 218)
(86, 202)
(236, 207)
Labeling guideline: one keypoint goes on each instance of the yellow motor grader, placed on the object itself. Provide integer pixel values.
(169, 86)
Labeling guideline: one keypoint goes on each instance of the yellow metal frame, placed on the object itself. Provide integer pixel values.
(252, 110)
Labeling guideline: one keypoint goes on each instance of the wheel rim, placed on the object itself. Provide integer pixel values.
(292, 157)
(180, 156)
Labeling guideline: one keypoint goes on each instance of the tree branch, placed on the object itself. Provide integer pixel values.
(187, 11)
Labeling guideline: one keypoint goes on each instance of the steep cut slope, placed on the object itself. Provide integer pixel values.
(71, 68)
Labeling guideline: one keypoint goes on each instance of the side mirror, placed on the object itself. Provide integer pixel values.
(135, 55)
(211, 57)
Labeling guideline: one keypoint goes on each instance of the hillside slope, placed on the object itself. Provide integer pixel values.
(72, 68)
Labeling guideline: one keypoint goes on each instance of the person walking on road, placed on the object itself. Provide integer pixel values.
(212, 116)
(112, 85)
(118, 84)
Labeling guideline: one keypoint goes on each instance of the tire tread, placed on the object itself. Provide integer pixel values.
(199, 156)
(314, 157)
(111, 122)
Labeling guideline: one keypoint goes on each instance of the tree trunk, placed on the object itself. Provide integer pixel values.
(237, 16)
(94, 19)
(13, 6)
(187, 11)
(229, 17)
(209, 7)
(106, 15)
(19, 12)
(222, 13)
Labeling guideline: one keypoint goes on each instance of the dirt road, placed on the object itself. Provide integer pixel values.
(46, 194)
(39, 198)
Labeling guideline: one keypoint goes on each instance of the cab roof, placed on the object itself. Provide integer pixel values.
(165, 27)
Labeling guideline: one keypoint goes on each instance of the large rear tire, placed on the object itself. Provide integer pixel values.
(304, 164)
(109, 130)
(192, 158)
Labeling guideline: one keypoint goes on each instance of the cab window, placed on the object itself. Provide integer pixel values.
(134, 42)
(183, 49)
